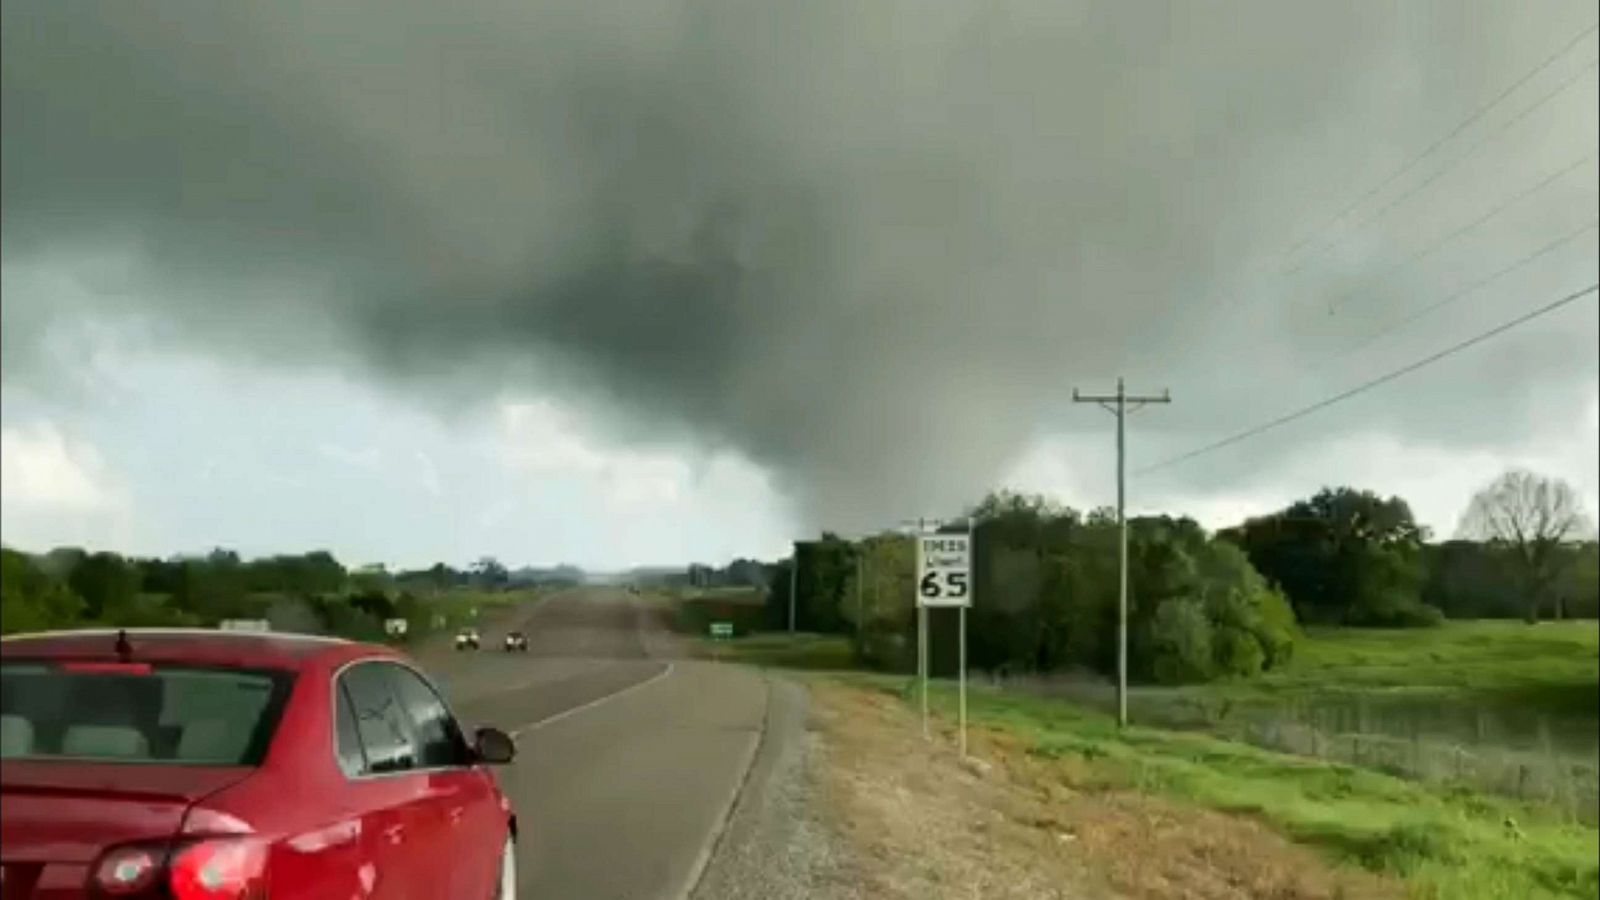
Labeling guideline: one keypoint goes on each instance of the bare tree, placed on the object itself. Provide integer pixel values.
(1531, 516)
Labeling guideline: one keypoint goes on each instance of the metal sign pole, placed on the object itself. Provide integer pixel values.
(963, 680)
(922, 663)
(971, 589)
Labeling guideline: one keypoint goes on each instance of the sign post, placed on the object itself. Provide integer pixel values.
(944, 579)
(720, 631)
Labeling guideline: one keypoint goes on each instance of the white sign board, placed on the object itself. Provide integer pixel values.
(395, 627)
(944, 570)
(244, 625)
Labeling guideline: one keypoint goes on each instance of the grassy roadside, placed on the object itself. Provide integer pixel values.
(1438, 837)
(1438, 840)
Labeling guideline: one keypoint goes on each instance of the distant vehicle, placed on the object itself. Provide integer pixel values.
(467, 639)
(197, 764)
(516, 641)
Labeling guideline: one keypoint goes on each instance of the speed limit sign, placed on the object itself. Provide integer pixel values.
(944, 570)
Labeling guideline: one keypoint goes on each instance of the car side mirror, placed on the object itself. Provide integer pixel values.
(493, 746)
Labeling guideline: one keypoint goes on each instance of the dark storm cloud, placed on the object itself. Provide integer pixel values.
(873, 246)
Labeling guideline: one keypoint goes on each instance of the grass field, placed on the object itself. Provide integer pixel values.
(1502, 706)
(1553, 664)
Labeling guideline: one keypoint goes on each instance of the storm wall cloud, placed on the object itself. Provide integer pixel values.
(872, 246)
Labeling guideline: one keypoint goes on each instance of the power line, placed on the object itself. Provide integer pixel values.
(1462, 126)
(1456, 295)
(1484, 139)
(1369, 385)
(1491, 213)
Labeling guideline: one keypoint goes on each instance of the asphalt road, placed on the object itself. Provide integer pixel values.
(629, 757)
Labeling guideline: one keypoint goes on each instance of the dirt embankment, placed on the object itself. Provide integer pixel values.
(920, 822)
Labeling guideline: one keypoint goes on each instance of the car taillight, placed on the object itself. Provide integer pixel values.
(220, 869)
(128, 871)
(217, 868)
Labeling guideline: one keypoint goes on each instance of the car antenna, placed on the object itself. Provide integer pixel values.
(124, 649)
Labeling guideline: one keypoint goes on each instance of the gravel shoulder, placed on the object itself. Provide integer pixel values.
(847, 800)
(775, 845)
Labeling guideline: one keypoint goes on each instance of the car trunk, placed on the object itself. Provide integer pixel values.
(60, 816)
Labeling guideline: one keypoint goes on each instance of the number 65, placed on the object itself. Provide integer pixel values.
(955, 585)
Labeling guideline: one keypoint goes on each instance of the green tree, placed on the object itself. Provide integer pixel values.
(1048, 588)
(778, 587)
(108, 584)
(489, 572)
(31, 599)
(215, 587)
(374, 577)
(1246, 611)
(1180, 642)
(826, 566)
(1579, 586)
(1191, 593)
(883, 622)
(1471, 580)
(1343, 556)
(1026, 584)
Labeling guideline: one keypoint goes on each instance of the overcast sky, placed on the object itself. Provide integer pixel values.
(620, 283)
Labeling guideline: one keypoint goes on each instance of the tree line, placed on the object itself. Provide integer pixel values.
(71, 587)
(1202, 605)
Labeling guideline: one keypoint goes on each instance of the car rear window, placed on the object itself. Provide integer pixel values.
(138, 714)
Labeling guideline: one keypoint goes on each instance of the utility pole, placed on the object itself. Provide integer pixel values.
(794, 583)
(1119, 406)
(861, 558)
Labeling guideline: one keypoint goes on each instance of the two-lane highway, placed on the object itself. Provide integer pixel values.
(629, 758)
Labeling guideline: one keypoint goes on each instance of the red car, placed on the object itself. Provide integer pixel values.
(217, 765)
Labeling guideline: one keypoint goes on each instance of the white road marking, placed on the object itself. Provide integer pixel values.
(548, 720)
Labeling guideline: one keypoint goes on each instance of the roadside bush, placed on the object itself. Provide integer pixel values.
(1236, 652)
(1241, 603)
(1214, 616)
(1412, 615)
(1278, 629)
(1180, 643)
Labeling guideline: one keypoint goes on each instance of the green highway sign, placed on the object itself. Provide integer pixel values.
(722, 629)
